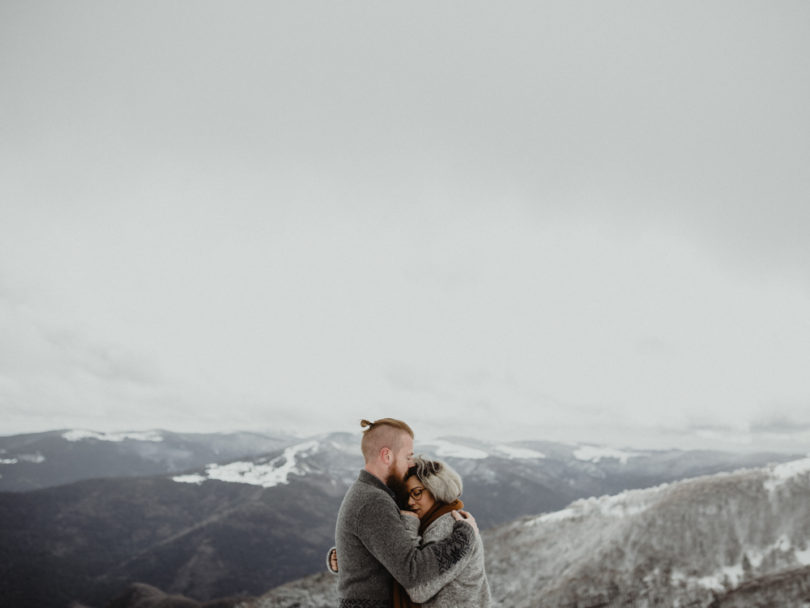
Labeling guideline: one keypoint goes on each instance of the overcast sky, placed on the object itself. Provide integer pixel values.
(577, 221)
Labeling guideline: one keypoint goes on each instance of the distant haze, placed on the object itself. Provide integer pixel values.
(579, 221)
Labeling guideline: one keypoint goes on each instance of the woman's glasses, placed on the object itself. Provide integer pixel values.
(416, 493)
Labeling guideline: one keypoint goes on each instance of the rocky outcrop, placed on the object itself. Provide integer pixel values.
(791, 588)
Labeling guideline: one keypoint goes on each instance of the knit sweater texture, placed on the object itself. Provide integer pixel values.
(464, 584)
(375, 542)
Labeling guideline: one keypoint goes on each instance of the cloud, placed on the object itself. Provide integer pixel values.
(781, 424)
(592, 222)
(52, 375)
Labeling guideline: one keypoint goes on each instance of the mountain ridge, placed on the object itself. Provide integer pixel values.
(39, 460)
(206, 534)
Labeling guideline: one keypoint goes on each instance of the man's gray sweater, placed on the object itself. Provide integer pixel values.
(375, 542)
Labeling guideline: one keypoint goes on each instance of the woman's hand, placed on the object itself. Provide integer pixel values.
(467, 517)
(331, 560)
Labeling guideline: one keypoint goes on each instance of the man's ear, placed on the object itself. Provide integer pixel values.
(386, 455)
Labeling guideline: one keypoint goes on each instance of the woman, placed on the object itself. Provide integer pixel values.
(434, 489)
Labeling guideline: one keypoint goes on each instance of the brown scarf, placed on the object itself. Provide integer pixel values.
(401, 599)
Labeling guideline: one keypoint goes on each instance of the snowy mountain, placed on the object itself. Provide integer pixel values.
(728, 540)
(41, 460)
(688, 543)
(245, 525)
(538, 476)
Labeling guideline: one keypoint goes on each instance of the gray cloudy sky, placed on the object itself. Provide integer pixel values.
(563, 220)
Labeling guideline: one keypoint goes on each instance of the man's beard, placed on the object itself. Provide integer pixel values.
(399, 488)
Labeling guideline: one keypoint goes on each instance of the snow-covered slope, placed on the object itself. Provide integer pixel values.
(691, 541)
(265, 472)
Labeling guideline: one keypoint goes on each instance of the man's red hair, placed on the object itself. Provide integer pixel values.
(382, 433)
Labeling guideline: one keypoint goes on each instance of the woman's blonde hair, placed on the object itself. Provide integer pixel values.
(438, 478)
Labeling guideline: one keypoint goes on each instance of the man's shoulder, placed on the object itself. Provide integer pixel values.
(368, 485)
(368, 493)
(372, 497)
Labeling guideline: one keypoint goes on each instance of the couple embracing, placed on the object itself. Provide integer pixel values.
(424, 551)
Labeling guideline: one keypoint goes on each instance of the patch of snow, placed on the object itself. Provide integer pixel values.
(80, 435)
(727, 576)
(733, 574)
(677, 577)
(621, 505)
(755, 557)
(786, 471)
(32, 458)
(194, 478)
(446, 449)
(783, 544)
(8, 461)
(713, 582)
(519, 453)
(803, 557)
(592, 453)
(267, 475)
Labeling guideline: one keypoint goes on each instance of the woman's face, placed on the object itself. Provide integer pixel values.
(420, 500)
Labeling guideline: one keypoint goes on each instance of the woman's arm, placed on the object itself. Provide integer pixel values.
(438, 531)
(390, 539)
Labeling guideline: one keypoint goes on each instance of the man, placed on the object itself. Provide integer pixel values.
(375, 541)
